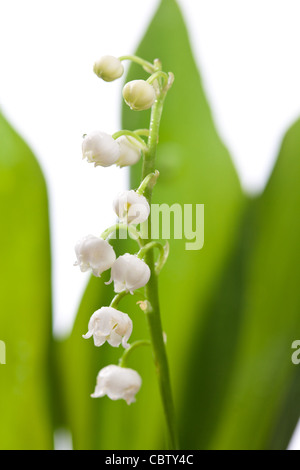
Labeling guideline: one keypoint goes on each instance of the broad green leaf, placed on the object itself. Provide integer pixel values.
(25, 297)
(261, 393)
(195, 168)
(247, 387)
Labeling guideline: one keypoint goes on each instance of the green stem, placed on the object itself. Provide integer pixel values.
(144, 132)
(123, 360)
(151, 288)
(150, 68)
(149, 180)
(142, 253)
(163, 254)
(132, 134)
(134, 234)
(157, 75)
(115, 301)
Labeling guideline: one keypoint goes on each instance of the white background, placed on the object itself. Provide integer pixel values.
(248, 52)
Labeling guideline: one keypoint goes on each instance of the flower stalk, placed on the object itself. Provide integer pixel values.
(151, 288)
(130, 272)
(123, 360)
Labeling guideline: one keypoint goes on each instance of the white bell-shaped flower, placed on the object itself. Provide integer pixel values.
(131, 207)
(111, 325)
(139, 95)
(108, 68)
(130, 152)
(95, 254)
(100, 148)
(129, 273)
(118, 383)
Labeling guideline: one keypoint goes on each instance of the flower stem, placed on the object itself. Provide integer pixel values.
(163, 254)
(151, 288)
(144, 132)
(149, 180)
(111, 232)
(132, 347)
(157, 75)
(142, 253)
(150, 68)
(115, 301)
(132, 134)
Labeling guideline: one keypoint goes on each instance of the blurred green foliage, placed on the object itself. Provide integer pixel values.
(230, 310)
(248, 388)
(25, 297)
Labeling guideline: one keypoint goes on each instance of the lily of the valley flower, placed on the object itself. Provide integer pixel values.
(129, 273)
(130, 153)
(111, 325)
(131, 207)
(95, 254)
(139, 95)
(108, 68)
(117, 383)
(100, 148)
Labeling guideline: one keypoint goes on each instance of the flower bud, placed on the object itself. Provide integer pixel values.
(108, 68)
(108, 324)
(139, 95)
(130, 153)
(117, 383)
(94, 253)
(131, 207)
(100, 148)
(129, 273)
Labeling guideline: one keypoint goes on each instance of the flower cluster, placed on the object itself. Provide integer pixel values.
(129, 272)
(102, 150)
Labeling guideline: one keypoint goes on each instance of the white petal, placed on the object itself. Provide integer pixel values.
(108, 68)
(114, 339)
(119, 287)
(126, 337)
(109, 324)
(118, 383)
(130, 153)
(99, 340)
(139, 94)
(88, 335)
(129, 271)
(94, 253)
(131, 207)
(100, 148)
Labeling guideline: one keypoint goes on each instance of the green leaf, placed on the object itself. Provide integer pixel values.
(264, 376)
(195, 168)
(247, 387)
(25, 297)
